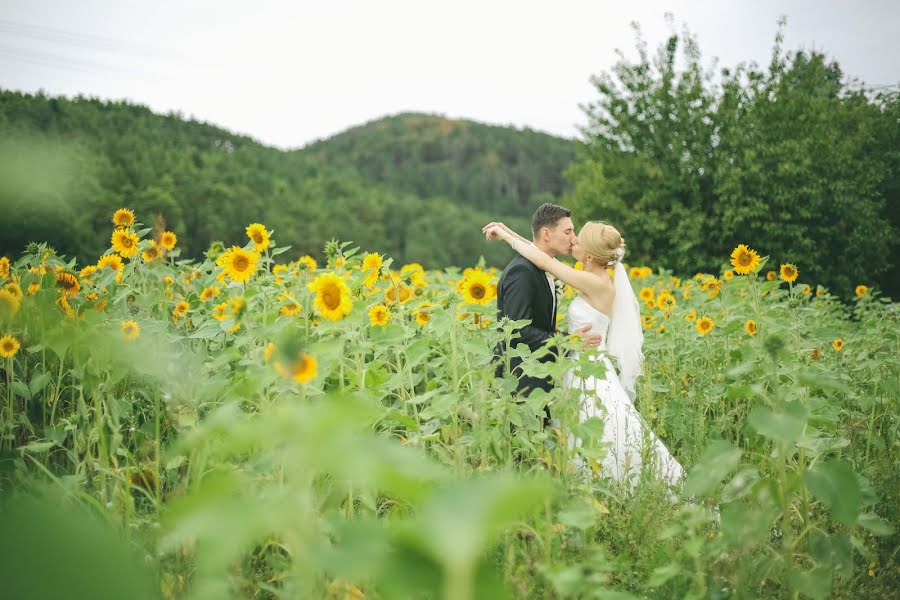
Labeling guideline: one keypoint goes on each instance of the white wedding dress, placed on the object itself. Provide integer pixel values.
(624, 431)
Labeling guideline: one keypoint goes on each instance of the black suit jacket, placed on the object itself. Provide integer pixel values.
(524, 293)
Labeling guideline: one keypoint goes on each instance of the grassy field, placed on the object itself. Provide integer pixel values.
(243, 427)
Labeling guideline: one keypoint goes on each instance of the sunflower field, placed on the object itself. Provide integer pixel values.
(245, 426)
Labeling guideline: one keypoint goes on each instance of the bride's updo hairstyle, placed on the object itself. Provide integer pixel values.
(603, 242)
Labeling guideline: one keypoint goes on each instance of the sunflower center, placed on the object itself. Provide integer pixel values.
(477, 291)
(257, 238)
(126, 241)
(241, 263)
(744, 259)
(331, 296)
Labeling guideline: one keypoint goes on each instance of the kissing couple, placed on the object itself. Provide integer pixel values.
(605, 314)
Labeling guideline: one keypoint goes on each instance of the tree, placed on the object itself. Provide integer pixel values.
(791, 160)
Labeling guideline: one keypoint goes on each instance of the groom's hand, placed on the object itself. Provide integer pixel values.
(588, 340)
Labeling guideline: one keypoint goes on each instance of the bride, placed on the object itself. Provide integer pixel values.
(609, 306)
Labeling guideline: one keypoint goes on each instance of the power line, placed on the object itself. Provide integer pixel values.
(48, 59)
(72, 38)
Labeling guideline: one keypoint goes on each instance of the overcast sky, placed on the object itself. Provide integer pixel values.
(287, 73)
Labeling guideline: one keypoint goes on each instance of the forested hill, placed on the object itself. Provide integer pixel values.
(417, 187)
(483, 166)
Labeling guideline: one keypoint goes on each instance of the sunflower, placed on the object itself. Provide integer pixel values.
(258, 235)
(67, 283)
(665, 301)
(635, 273)
(151, 253)
(477, 288)
(219, 311)
(807, 290)
(237, 306)
(712, 285)
(373, 260)
(34, 288)
(750, 327)
(332, 296)
(390, 294)
(278, 271)
(770, 275)
(838, 345)
(646, 271)
(744, 259)
(4, 267)
(63, 303)
(14, 289)
(411, 268)
(125, 242)
(728, 275)
(9, 346)
(210, 292)
(646, 294)
(85, 274)
(291, 309)
(181, 310)
(130, 330)
(113, 262)
(168, 240)
(307, 263)
(123, 218)
(302, 370)
(861, 290)
(691, 316)
(379, 315)
(238, 264)
(417, 279)
(422, 313)
(789, 273)
(648, 321)
(704, 325)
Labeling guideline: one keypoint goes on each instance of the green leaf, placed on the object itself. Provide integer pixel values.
(816, 583)
(835, 484)
(38, 383)
(579, 514)
(875, 524)
(719, 459)
(20, 389)
(457, 524)
(37, 447)
(780, 427)
(208, 331)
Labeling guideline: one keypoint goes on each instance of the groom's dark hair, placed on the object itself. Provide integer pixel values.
(548, 215)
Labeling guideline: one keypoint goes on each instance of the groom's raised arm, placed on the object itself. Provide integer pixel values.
(518, 285)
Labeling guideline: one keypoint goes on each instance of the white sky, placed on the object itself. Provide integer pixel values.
(287, 73)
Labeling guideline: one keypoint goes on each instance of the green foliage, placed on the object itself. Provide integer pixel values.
(398, 184)
(790, 159)
(403, 468)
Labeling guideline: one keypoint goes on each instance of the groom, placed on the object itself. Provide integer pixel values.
(526, 292)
